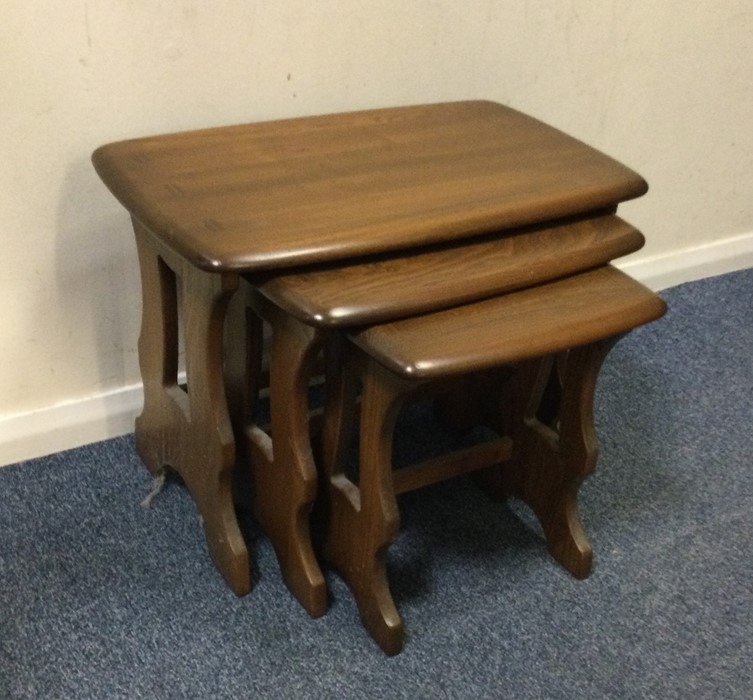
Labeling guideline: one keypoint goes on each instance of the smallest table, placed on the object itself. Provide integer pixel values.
(578, 317)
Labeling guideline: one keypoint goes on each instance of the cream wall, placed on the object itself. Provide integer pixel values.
(664, 86)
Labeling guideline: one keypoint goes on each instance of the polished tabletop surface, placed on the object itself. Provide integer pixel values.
(307, 190)
(408, 283)
(524, 324)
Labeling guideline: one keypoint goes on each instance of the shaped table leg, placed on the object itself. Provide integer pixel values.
(189, 429)
(282, 465)
(363, 520)
(551, 459)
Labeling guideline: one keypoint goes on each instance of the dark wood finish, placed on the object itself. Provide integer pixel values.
(190, 431)
(283, 473)
(310, 190)
(517, 326)
(445, 467)
(416, 282)
(577, 319)
(212, 204)
(550, 461)
(363, 520)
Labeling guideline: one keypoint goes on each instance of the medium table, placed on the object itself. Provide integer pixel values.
(222, 209)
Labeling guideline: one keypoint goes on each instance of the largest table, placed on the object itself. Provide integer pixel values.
(213, 207)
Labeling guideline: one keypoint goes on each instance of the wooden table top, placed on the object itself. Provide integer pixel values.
(528, 323)
(409, 283)
(299, 191)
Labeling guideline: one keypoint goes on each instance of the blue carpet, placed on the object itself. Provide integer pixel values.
(100, 598)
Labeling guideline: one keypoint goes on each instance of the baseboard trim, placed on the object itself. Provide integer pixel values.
(101, 416)
(71, 424)
(689, 264)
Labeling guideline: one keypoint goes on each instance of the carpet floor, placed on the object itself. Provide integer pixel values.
(101, 598)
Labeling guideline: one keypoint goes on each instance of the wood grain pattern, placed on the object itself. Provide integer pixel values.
(415, 282)
(259, 198)
(309, 190)
(190, 431)
(283, 473)
(549, 465)
(363, 520)
(562, 329)
(517, 326)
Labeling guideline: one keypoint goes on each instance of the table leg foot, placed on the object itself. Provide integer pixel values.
(377, 611)
(359, 554)
(283, 514)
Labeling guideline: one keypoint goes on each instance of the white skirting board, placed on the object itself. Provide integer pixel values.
(689, 264)
(106, 415)
(70, 424)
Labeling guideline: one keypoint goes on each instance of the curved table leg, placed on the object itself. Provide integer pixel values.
(551, 461)
(283, 471)
(190, 431)
(363, 520)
